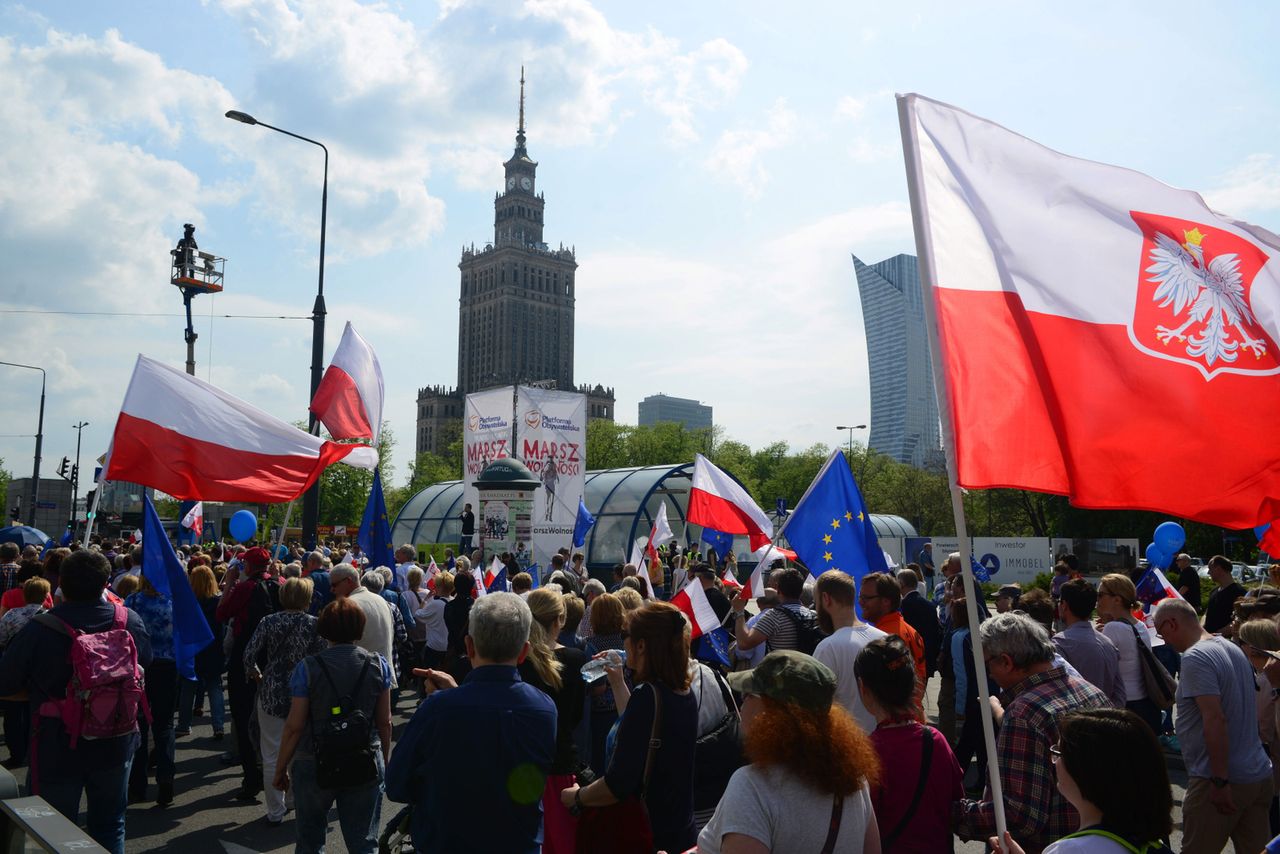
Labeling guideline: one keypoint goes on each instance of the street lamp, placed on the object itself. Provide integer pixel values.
(311, 500)
(851, 429)
(35, 469)
(75, 475)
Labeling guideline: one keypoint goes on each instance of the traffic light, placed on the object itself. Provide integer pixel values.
(62, 468)
(75, 474)
(88, 503)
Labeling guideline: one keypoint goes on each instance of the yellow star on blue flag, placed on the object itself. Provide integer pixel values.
(814, 532)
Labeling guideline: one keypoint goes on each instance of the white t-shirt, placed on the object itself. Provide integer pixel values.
(839, 652)
(1121, 635)
(431, 617)
(784, 813)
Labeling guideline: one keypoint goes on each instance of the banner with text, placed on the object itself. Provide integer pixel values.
(486, 436)
(1009, 560)
(551, 439)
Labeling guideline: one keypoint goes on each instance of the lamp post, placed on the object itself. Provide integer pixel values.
(35, 468)
(75, 475)
(851, 428)
(311, 500)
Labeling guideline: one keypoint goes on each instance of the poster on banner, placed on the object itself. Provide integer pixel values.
(551, 440)
(1009, 560)
(486, 436)
(505, 523)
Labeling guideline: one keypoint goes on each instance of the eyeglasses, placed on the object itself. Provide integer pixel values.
(1054, 752)
(868, 598)
(1159, 623)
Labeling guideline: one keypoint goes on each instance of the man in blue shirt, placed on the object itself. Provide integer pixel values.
(36, 662)
(493, 738)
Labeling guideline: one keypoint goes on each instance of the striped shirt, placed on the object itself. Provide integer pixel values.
(779, 628)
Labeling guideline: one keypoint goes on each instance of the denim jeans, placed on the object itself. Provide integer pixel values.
(188, 692)
(359, 810)
(162, 697)
(106, 792)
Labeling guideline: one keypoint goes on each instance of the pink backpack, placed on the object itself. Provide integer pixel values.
(106, 687)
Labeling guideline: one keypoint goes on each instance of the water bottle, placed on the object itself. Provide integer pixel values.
(594, 669)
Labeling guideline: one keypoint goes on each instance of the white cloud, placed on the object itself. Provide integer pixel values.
(738, 155)
(849, 107)
(1250, 188)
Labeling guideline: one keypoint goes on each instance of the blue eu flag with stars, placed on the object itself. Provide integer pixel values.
(718, 541)
(160, 566)
(375, 530)
(831, 526)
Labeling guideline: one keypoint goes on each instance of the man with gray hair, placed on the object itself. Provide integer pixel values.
(493, 737)
(1230, 786)
(316, 568)
(1019, 658)
(379, 625)
(404, 562)
(590, 591)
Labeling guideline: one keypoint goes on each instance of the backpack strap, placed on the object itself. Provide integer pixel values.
(833, 828)
(655, 741)
(926, 759)
(121, 617)
(1119, 840)
(59, 625)
(344, 699)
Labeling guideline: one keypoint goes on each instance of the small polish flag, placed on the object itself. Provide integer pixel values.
(718, 501)
(693, 601)
(764, 558)
(194, 520)
(431, 572)
(349, 398)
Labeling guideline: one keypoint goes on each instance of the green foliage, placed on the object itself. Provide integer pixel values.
(344, 490)
(5, 477)
(426, 469)
(1043, 581)
(166, 507)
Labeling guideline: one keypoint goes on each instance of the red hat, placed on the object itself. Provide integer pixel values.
(256, 558)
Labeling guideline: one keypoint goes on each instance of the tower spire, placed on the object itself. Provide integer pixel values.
(520, 127)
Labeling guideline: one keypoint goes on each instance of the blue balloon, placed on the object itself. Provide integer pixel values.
(1169, 537)
(1156, 557)
(243, 526)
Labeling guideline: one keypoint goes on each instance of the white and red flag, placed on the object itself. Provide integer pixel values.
(194, 520)
(764, 559)
(692, 600)
(1100, 332)
(192, 440)
(660, 534)
(349, 398)
(718, 501)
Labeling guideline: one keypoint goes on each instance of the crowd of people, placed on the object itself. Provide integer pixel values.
(574, 715)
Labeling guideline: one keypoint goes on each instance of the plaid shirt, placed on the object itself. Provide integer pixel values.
(1034, 810)
(8, 576)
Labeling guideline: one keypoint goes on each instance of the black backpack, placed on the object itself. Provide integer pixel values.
(341, 736)
(265, 599)
(808, 635)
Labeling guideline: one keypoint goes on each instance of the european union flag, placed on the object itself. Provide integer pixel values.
(718, 541)
(582, 525)
(979, 571)
(160, 566)
(713, 647)
(375, 530)
(831, 526)
(66, 538)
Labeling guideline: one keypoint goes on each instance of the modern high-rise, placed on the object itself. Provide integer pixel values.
(904, 409)
(680, 410)
(515, 308)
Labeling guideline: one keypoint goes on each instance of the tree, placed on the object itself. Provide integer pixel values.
(607, 445)
(344, 490)
(426, 469)
(5, 477)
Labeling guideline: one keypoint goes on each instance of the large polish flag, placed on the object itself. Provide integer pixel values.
(692, 600)
(1101, 334)
(194, 441)
(718, 501)
(349, 398)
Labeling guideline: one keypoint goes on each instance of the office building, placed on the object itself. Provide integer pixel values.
(680, 410)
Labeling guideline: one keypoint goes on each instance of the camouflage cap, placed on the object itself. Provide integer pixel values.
(789, 676)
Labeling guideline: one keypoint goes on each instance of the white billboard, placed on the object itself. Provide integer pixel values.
(486, 436)
(551, 440)
(1010, 560)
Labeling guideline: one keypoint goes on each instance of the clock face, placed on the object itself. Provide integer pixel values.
(511, 183)
(526, 183)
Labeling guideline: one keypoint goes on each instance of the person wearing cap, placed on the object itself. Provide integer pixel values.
(257, 595)
(1007, 598)
(807, 787)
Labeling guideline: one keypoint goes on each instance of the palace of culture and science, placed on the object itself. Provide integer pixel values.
(515, 309)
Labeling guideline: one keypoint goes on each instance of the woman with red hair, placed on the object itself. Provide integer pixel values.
(808, 785)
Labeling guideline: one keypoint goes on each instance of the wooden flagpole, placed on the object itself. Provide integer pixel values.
(928, 281)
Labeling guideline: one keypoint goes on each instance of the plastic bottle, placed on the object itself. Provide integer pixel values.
(594, 669)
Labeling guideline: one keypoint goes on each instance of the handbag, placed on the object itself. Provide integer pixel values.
(624, 827)
(1159, 684)
(717, 753)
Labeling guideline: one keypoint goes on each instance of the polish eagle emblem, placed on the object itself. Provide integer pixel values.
(1194, 298)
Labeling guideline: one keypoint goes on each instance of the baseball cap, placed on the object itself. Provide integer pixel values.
(789, 676)
(1011, 591)
(256, 558)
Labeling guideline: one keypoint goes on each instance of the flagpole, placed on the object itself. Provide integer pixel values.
(928, 281)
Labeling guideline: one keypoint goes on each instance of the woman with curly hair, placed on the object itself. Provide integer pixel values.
(921, 776)
(808, 787)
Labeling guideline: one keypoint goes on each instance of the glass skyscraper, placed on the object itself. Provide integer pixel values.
(904, 410)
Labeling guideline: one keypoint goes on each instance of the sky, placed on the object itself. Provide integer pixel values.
(714, 164)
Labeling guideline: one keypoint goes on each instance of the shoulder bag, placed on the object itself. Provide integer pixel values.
(1159, 684)
(624, 827)
(926, 760)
